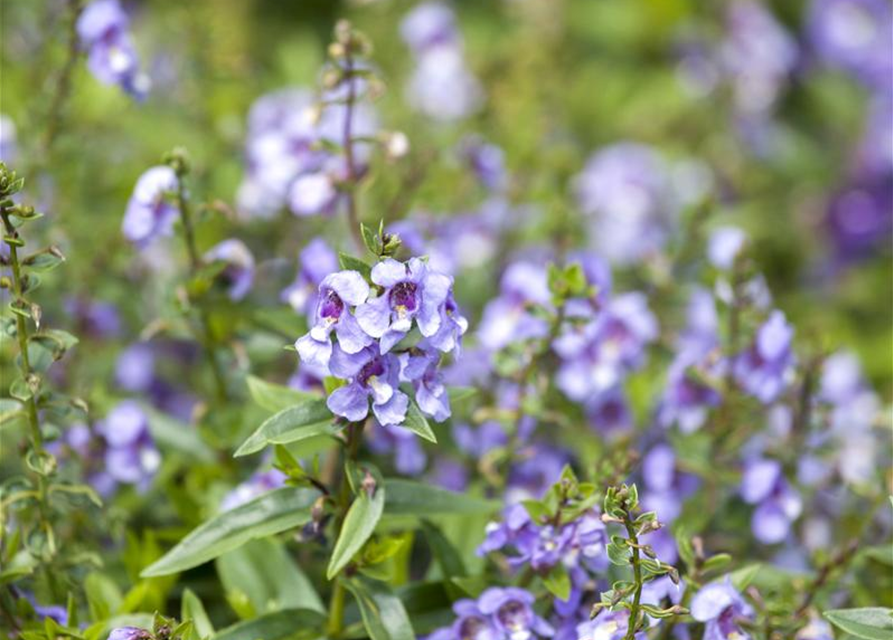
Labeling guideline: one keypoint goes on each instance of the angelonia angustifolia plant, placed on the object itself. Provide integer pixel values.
(541, 319)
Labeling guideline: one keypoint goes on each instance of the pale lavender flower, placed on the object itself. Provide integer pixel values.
(239, 270)
(370, 375)
(9, 148)
(430, 393)
(409, 456)
(724, 246)
(429, 25)
(129, 633)
(337, 293)
(487, 161)
(507, 319)
(135, 367)
(719, 606)
(317, 260)
(103, 30)
(130, 456)
(150, 213)
(778, 504)
(512, 612)
(612, 625)
(765, 369)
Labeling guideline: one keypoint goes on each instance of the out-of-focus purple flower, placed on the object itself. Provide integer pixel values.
(258, 484)
(102, 28)
(724, 246)
(506, 319)
(609, 412)
(859, 219)
(9, 148)
(758, 55)
(719, 606)
(764, 370)
(429, 25)
(512, 611)
(129, 633)
(370, 375)
(150, 213)
(597, 355)
(815, 629)
(337, 292)
(875, 154)
(665, 486)
(130, 456)
(54, 611)
(764, 484)
(135, 367)
(239, 270)
(855, 35)
(317, 260)
(411, 291)
(449, 474)
(308, 377)
(311, 194)
(538, 469)
(409, 456)
(611, 625)
(626, 191)
(94, 318)
(487, 161)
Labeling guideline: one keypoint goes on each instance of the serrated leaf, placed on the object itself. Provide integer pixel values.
(276, 397)
(417, 423)
(271, 513)
(359, 523)
(406, 497)
(306, 420)
(382, 612)
(871, 623)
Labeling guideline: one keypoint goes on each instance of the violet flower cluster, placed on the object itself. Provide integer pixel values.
(369, 322)
(441, 86)
(497, 614)
(104, 32)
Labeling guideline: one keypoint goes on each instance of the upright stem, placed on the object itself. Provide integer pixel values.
(351, 449)
(353, 218)
(195, 264)
(63, 83)
(637, 576)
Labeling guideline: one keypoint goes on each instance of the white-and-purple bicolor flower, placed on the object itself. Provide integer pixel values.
(430, 393)
(411, 291)
(512, 612)
(150, 212)
(337, 293)
(370, 375)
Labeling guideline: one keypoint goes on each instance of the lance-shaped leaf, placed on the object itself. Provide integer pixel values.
(406, 497)
(276, 511)
(872, 623)
(359, 523)
(275, 397)
(193, 610)
(383, 613)
(277, 626)
(306, 420)
(417, 423)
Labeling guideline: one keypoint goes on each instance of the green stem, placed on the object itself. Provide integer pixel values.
(195, 263)
(637, 576)
(63, 82)
(336, 610)
(353, 216)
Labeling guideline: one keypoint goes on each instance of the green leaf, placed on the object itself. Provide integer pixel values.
(460, 394)
(446, 555)
(371, 240)
(745, 575)
(276, 626)
(306, 420)
(359, 523)
(353, 264)
(276, 511)
(265, 572)
(558, 582)
(193, 610)
(383, 614)
(275, 397)
(9, 409)
(417, 423)
(104, 599)
(872, 623)
(406, 497)
(175, 435)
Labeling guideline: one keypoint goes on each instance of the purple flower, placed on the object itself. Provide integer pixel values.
(626, 191)
(239, 270)
(102, 28)
(129, 633)
(764, 370)
(665, 486)
(130, 456)
(538, 469)
(449, 474)
(312, 194)
(512, 612)
(428, 25)
(597, 355)
(411, 291)
(430, 392)
(471, 623)
(409, 456)
(479, 442)
(764, 484)
(317, 260)
(860, 217)
(135, 367)
(487, 161)
(9, 150)
(149, 212)
(506, 319)
(370, 375)
(609, 412)
(720, 606)
(855, 35)
(337, 292)
(612, 625)
(258, 484)
(95, 318)
(724, 246)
